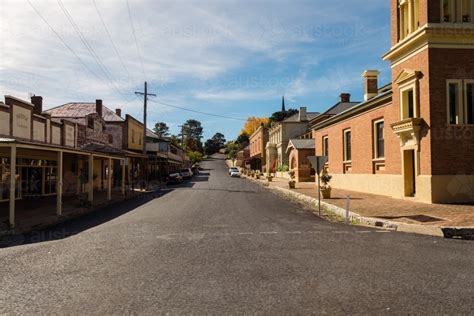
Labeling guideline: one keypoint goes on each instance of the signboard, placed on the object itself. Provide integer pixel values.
(318, 162)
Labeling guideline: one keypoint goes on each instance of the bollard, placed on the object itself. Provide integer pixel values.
(348, 199)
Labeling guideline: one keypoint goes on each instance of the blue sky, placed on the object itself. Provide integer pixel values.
(232, 58)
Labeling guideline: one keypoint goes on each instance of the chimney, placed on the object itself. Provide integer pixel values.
(371, 83)
(302, 114)
(345, 97)
(98, 107)
(37, 101)
(118, 112)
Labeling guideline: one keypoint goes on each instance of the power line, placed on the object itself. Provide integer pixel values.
(135, 38)
(91, 50)
(64, 42)
(110, 37)
(199, 112)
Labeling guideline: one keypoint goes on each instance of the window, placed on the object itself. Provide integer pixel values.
(326, 146)
(467, 10)
(347, 145)
(408, 103)
(454, 102)
(469, 101)
(457, 11)
(460, 102)
(448, 9)
(408, 17)
(90, 122)
(379, 139)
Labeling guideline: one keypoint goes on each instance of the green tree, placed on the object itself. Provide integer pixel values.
(232, 149)
(282, 115)
(192, 134)
(243, 140)
(215, 143)
(195, 157)
(161, 129)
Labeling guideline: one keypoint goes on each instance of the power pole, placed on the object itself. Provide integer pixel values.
(145, 99)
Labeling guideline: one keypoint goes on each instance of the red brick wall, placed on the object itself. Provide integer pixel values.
(418, 62)
(452, 147)
(362, 143)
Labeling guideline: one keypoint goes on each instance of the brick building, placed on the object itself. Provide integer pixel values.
(257, 142)
(414, 138)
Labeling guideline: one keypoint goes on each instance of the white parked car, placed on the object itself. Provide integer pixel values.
(186, 173)
(235, 173)
(233, 169)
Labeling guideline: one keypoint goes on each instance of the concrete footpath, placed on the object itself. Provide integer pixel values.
(452, 221)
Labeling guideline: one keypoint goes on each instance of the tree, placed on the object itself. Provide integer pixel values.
(243, 140)
(282, 115)
(232, 149)
(192, 134)
(175, 140)
(195, 157)
(215, 143)
(161, 129)
(253, 123)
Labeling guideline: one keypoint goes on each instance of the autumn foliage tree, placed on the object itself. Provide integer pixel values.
(253, 123)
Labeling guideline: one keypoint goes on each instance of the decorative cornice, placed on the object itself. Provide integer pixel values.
(435, 35)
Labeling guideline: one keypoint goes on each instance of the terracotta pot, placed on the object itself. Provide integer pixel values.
(292, 184)
(326, 193)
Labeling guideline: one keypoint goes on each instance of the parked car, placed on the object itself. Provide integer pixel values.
(233, 169)
(235, 173)
(174, 178)
(186, 173)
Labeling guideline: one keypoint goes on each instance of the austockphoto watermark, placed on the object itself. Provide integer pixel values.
(252, 82)
(463, 133)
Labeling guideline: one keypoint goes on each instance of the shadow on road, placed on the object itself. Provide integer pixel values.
(82, 223)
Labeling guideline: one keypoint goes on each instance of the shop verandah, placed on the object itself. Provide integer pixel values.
(53, 180)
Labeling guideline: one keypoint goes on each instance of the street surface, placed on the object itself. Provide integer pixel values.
(224, 245)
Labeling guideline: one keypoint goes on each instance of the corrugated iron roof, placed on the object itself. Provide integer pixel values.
(81, 109)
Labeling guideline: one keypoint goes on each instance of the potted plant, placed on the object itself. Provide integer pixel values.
(292, 182)
(325, 187)
(270, 178)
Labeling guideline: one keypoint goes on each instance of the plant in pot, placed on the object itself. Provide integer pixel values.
(325, 187)
(292, 182)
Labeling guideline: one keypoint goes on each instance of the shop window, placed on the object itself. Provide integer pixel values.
(347, 145)
(379, 141)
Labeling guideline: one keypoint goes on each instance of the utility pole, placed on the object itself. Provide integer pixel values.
(145, 99)
(182, 143)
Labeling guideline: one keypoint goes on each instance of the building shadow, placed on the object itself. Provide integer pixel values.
(82, 223)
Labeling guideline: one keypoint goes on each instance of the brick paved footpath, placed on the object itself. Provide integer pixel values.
(370, 205)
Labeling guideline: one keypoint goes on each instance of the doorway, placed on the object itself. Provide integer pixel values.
(409, 172)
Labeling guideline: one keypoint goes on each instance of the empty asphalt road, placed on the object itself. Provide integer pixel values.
(222, 245)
